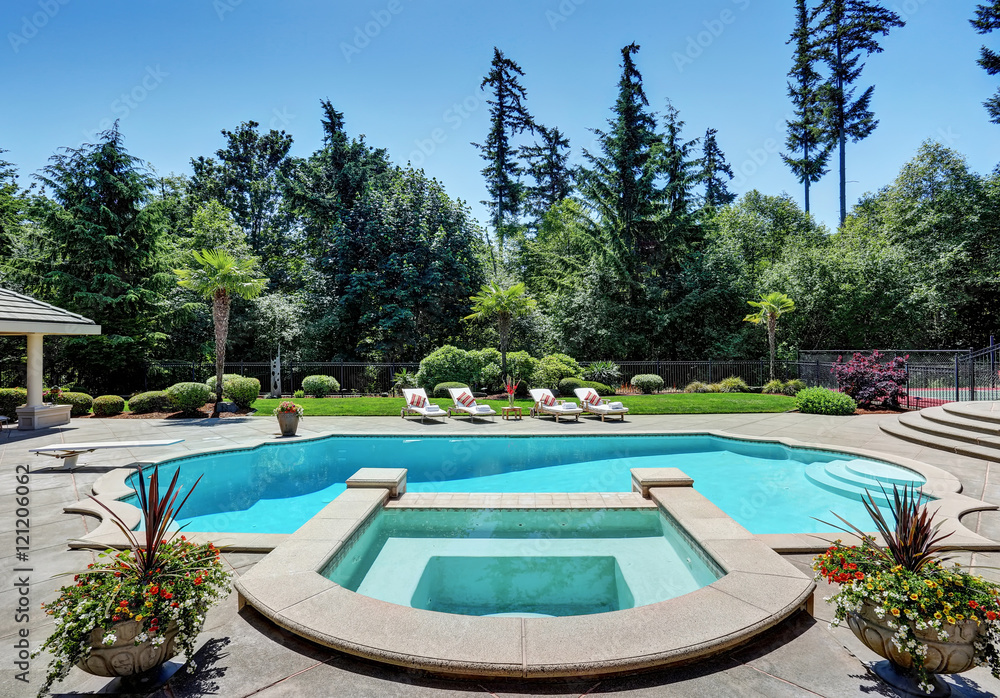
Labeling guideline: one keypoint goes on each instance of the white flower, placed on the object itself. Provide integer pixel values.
(110, 639)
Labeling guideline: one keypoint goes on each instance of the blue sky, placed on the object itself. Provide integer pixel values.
(407, 75)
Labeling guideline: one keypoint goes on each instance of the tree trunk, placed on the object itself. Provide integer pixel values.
(808, 175)
(772, 329)
(504, 338)
(841, 106)
(220, 316)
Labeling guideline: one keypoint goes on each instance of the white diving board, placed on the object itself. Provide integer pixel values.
(70, 453)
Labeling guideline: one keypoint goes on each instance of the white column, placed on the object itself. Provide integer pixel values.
(34, 370)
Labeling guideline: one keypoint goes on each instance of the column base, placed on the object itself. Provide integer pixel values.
(42, 416)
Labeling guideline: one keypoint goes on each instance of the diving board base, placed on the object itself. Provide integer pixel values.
(42, 416)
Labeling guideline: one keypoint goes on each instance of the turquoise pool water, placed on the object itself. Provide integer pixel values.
(548, 562)
(767, 488)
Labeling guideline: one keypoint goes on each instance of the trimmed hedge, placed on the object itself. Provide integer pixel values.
(449, 364)
(226, 377)
(188, 397)
(648, 383)
(81, 403)
(553, 368)
(243, 391)
(10, 400)
(108, 406)
(153, 401)
(441, 389)
(824, 401)
(320, 385)
(568, 385)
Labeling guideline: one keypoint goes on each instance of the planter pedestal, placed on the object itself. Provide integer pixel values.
(904, 681)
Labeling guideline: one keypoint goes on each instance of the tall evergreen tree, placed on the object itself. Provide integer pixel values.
(508, 118)
(846, 31)
(621, 184)
(548, 165)
(715, 172)
(805, 140)
(987, 19)
(679, 226)
(11, 205)
(105, 256)
(244, 179)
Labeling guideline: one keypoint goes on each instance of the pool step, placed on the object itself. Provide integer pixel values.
(839, 483)
(868, 473)
(966, 428)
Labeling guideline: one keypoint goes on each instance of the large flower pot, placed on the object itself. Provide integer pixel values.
(288, 422)
(123, 657)
(951, 656)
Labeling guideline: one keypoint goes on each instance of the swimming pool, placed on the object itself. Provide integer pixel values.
(766, 487)
(536, 562)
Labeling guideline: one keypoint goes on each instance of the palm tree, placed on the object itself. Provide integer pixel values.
(504, 304)
(770, 307)
(219, 277)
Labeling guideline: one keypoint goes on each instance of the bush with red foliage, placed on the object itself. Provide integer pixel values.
(871, 382)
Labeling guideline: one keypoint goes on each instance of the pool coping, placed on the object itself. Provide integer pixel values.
(945, 487)
(759, 589)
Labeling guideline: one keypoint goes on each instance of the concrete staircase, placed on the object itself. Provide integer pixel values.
(967, 428)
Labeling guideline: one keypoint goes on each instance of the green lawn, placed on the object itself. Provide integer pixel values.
(683, 403)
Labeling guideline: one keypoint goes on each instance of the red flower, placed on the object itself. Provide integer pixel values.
(990, 615)
(973, 604)
(197, 580)
(859, 575)
(114, 617)
(123, 604)
(154, 590)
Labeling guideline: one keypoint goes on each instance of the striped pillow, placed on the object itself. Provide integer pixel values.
(417, 400)
(592, 398)
(548, 400)
(466, 399)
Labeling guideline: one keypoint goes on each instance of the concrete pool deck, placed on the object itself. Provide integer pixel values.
(242, 654)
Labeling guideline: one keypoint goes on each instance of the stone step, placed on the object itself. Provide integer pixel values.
(901, 431)
(818, 475)
(981, 411)
(949, 419)
(915, 420)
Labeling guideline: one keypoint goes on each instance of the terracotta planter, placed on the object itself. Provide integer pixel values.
(951, 656)
(288, 422)
(125, 658)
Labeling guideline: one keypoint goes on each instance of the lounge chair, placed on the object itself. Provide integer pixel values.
(545, 403)
(466, 404)
(417, 403)
(591, 402)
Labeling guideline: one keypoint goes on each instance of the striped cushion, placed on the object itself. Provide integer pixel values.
(417, 400)
(548, 400)
(592, 398)
(466, 399)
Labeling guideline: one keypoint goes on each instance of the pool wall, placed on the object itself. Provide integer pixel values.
(950, 504)
(758, 590)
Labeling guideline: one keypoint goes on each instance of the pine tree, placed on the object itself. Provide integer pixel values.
(987, 19)
(548, 165)
(805, 132)
(621, 184)
(679, 226)
(715, 172)
(846, 31)
(508, 118)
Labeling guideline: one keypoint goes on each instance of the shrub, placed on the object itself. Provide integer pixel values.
(774, 387)
(243, 391)
(491, 378)
(188, 397)
(869, 382)
(552, 369)
(733, 384)
(696, 387)
(108, 406)
(521, 365)
(226, 377)
(568, 385)
(441, 389)
(299, 394)
(793, 386)
(648, 383)
(606, 372)
(712, 388)
(81, 403)
(153, 401)
(370, 376)
(320, 386)
(824, 401)
(448, 364)
(402, 379)
(10, 400)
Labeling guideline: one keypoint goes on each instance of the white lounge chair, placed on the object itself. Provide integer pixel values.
(70, 453)
(545, 403)
(591, 402)
(466, 404)
(417, 403)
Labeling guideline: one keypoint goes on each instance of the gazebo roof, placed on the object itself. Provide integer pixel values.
(23, 315)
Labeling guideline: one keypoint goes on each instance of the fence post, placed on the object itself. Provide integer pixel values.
(709, 370)
(291, 377)
(972, 379)
(193, 364)
(817, 373)
(957, 398)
